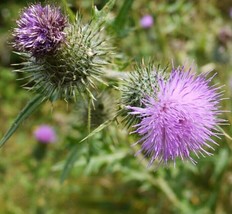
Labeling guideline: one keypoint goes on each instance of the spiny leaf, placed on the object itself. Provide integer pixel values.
(119, 22)
(123, 13)
(98, 129)
(69, 11)
(69, 163)
(97, 162)
(224, 133)
(100, 15)
(28, 109)
(73, 155)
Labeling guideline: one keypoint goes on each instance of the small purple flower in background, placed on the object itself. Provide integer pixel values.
(230, 12)
(39, 30)
(225, 35)
(45, 134)
(146, 21)
(180, 118)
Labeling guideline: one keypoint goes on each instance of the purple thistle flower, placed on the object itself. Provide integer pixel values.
(45, 134)
(40, 30)
(180, 118)
(146, 21)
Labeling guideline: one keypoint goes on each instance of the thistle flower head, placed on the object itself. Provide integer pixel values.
(40, 30)
(146, 21)
(45, 134)
(179, 118)
(67, 71)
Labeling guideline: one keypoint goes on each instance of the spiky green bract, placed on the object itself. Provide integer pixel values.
(141, 83)
(75, 67)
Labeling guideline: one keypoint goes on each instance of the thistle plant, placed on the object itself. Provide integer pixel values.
(172, 115)
(179, 117)
(175, 114)
(61, 59)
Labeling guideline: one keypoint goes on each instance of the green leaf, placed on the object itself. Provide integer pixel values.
(100, 16)
(98, 129)
(74, 153)
(119, 22)
(97, 162)
(221, 164)
(224, 133)
(69, 11)
(28, 109)
(69, 163)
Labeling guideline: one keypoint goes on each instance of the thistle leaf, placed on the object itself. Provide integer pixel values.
(100, 15)
(69, 11)
(123, 14)
(98, 129)
(69, 163)
(28, 109)
(74, 153)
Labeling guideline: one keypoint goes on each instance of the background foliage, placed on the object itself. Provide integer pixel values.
(106, 177)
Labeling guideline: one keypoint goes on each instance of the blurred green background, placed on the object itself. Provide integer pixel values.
(111, 179)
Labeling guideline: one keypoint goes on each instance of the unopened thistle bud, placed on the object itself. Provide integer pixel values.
(63, 59)
(104, 109)
(141, 83)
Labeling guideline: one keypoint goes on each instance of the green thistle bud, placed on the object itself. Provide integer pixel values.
(141, 83)
(103, 109)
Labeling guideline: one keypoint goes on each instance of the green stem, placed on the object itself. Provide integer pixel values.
(89, 114)
(89, 127)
